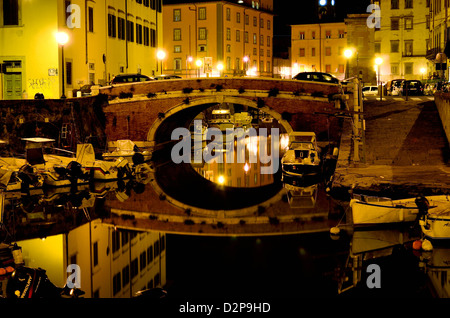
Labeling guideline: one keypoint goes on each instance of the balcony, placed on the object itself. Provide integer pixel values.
(431, 54)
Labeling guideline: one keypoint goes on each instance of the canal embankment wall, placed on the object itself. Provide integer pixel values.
(442, 101)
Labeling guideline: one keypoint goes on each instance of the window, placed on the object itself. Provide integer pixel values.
(228, 48)
(138, 33)
(408, 23)
(177, 49)
(202, 33)
(116, 284)
(394, 69)
(134, 269)
(255, 39)
(328, 68)
(177, 34)
(142, 260)
(228, 14)
(268, 70)
(255, 21)
(91, 19)
(261, 23)
(302, 35)
(395, 24)
(246, 36)
(268, 40)
(261, 69)
(313, 35)
(377, 47)
(10, 12)
(153, 37)
(146, 3)
(238, 36)
(247, 19)
(238, 17)
(341, 68)
(115, 241)
(394, 4)
(394, 46)
(255, 51)
(176, 15)
(408, 4)
(177, 64)
(228, 63)
(409, 48)
(268, 25)
(130, 31)
(149, 254)
(301, 52)
(68, 73)
(228, 34)
(313, 51)
(261, 40)
(408, 68)
(121, 28)
(125, 275)
(341, 34)
(146, 36)
(328, 34)
(202, 13)
(328, 51)
(427, 21)
(112, 25)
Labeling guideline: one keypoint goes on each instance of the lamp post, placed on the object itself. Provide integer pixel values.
(245, 59)
(199, 64)
(423, 70)
(62, 38)
(378, 62)
(189, 60)
(220, 69)
(161, 55)
(348, 53)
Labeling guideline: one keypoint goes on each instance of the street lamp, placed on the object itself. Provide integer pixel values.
(62, 38)
(199, 64)
(189, 60)
(378, 62)
(161, 55)
(245, 59)
(220, 69)
(348, 53)
(423, 70)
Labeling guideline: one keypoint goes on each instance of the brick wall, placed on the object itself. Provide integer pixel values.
(442, 101)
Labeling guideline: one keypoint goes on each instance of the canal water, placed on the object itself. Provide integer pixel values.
(214, 230)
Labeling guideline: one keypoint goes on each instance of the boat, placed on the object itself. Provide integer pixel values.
(371, 210)
(436, 223)
(221, 119)
(128, 150)
(302, 156)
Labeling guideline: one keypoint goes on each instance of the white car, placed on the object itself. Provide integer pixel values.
(370, 91)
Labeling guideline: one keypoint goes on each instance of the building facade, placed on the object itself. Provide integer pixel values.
(105, 38)
(319, 47)
(438, 49)
(402, 39)
(218, 38)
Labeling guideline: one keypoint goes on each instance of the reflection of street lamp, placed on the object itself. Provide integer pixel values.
(348, 53)
(189, 60)
(62, 38)
(423, 71)
(161, 55)
(246, 167)
(378, 62)
(199, 64)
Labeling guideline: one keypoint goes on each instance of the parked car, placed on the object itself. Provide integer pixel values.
(393, 87)
(86, 90)
(414, 87)
(317, 77)
(130, 78)
(370, 91)
(165, 77)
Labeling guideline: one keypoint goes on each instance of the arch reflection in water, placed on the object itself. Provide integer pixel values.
(235, 160)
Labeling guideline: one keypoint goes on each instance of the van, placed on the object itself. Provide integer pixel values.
(370, 91)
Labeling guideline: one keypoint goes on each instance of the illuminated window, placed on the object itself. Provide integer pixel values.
(202, 13)
(328, 34)
(176, 15)
(177, 34)
(202, 33)
(177, 49)
(228, 14)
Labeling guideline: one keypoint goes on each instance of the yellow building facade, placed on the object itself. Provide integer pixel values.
(106, 38)
(319, 48)
(402, 39)
(217, 38)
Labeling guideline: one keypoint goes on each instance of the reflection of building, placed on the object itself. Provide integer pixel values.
(105, 38)
(114, 263)
(238, 37)
(319, 48)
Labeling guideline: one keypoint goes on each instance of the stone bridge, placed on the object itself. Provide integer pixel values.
(149, 111)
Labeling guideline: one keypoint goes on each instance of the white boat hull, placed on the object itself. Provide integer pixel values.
(437, 223)
(389, 211)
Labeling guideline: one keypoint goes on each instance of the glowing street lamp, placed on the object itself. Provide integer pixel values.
(220, 69)
(378, 62)
(246, 59)
(189, 60)
(161, 55)
(62, 38)
(199, 64)
(423, 70)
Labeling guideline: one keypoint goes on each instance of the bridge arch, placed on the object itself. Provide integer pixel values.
(197, 105)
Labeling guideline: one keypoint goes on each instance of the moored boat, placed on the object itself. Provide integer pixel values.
(436, 224)
(128, 150)
(303, 155)
(369, 210)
